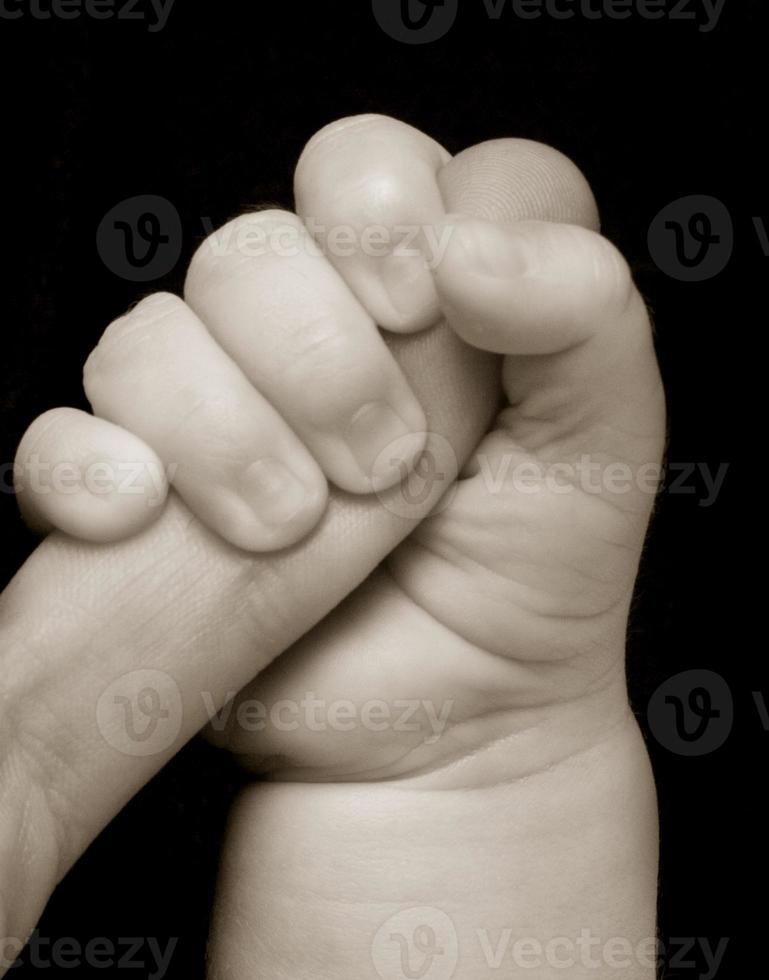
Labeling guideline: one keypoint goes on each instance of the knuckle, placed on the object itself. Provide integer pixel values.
(213, 417)
(370, 169)
(156, 306)
(238, 243)
(340, 130)
(610, 272)
(377, 197)
(316, 345)
(595, 267)
(129, 336)
(45, 430)
(323, 365)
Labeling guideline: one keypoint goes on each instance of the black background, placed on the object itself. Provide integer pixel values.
(212, 113)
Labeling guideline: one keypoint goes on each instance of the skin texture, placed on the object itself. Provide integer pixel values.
(516, 799)
(495, 604)
(70, 470)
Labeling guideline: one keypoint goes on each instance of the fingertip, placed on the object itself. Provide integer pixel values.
(382, 444)
(408, 301)
(87, 477)
(511, 179)
(530, 287)
(367, 189)
(265, 510)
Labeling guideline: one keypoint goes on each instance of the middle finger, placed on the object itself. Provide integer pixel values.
(283, 313)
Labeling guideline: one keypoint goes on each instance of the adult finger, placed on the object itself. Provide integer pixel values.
(114, 656)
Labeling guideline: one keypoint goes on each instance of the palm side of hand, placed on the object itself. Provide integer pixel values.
(503, 616)
(200, 616)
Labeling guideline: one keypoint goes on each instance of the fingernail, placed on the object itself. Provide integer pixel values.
(272, 491)
(411, 291)
(490, 250)
(376, 428)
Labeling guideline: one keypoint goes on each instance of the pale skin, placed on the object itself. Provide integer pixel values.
(517, 795)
